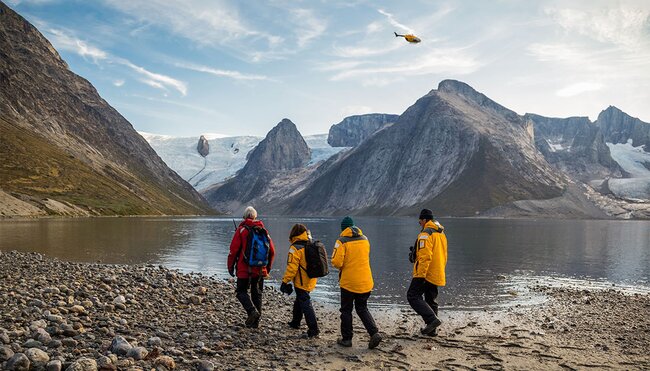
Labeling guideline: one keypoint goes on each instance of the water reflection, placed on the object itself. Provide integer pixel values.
(481, 251)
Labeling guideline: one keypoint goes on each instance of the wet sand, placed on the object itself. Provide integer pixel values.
(58, 315)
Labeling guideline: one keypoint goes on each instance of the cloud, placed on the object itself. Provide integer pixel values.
(448, 61)
(394, 22)
(203, 22)
(118, 83)
(621, 25)
(64, 41)
(364, 51)
(309, 26)
(578, 88)
(236, 75)
(155, 80)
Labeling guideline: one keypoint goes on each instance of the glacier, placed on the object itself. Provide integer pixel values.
(636, 162)
(227, 155)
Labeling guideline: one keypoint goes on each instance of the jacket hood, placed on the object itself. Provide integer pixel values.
(301, 237)
(252, 223)
(353, 231)
(435, 225)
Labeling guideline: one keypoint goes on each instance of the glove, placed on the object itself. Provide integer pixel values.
(412, 254)
(286, 288)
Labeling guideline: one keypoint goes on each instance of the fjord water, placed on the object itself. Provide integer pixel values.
(490, 260)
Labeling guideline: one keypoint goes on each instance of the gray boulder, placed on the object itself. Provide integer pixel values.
(19, 362)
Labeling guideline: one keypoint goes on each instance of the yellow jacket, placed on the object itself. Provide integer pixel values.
(352, 258)
(297, 265)
(431, 254)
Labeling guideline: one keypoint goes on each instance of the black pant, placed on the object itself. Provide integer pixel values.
(302, 305)
(254, 300)
(427, 308)
(360, 301)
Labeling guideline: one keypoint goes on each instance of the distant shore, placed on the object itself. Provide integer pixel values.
(149, 317)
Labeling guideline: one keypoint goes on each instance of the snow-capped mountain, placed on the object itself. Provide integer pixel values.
(227, 155)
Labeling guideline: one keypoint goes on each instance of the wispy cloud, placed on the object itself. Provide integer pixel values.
(65, 41)
(578, 88)
(620, 24)
(155, 80)
(236, 75)
(394, 22)
(355, 110)
(210, 23)
(450, 61)
(365, 51)
(309, 26)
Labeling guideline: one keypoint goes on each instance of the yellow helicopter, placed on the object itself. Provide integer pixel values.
(408, 37)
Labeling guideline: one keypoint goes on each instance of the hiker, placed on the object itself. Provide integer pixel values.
(296, 272)
(352, 258)
(429, 257)
(250, 259)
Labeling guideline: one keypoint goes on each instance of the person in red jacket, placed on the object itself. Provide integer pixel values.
(247, 276)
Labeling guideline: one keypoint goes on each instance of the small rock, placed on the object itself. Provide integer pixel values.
(154, 341)
(42, 336)
(119, 300)
(5, 353)
(201, 290)
(196, 299)
(205, 366)
(18, 362)
(37, 357)
(55, 365)
(120, 346)
(69, 342)
(165, 361)
(55, 318)
(137, 353)
(105, 363)
(31, 343)
(78, 309)
(83, 364)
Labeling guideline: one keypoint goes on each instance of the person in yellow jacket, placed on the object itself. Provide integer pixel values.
(296, 272)
(429, 258)
(352, 258)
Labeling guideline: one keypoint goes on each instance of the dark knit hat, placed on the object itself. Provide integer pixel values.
(346, 222)
(426, 214)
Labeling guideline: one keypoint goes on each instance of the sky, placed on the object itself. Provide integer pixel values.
(187, 67)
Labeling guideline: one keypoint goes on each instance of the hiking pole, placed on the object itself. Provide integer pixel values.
(234, 223)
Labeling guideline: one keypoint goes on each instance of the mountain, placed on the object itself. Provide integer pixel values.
(455, 151)
(64, 149)
(619, 127)
(283, 154)
(574, 145)
(355, 129)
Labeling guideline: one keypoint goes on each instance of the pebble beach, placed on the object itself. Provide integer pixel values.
(57, 315)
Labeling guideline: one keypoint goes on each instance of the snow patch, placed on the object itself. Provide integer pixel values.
(320, 149)
(556, 146)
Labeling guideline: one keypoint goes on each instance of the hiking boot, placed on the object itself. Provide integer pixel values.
(293, 325)
(374, 341)
(431, 327)
(253, 317)
(344, 342)
(309, 335)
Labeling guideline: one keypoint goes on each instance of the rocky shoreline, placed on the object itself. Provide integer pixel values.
(58, 315)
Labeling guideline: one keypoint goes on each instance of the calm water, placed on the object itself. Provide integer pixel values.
(488, 259)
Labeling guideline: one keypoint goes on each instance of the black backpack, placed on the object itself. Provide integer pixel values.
(316, 258)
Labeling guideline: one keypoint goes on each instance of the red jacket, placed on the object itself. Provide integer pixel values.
(237, 246)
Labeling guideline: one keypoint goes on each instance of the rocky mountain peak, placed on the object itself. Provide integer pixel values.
(203, 147)
(619, 127)
(355, 129)
(284, 148)
(468, 93)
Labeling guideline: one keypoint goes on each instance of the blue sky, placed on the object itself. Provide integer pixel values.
(186, 67)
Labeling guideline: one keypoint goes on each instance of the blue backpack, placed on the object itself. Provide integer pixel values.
(258, 247)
